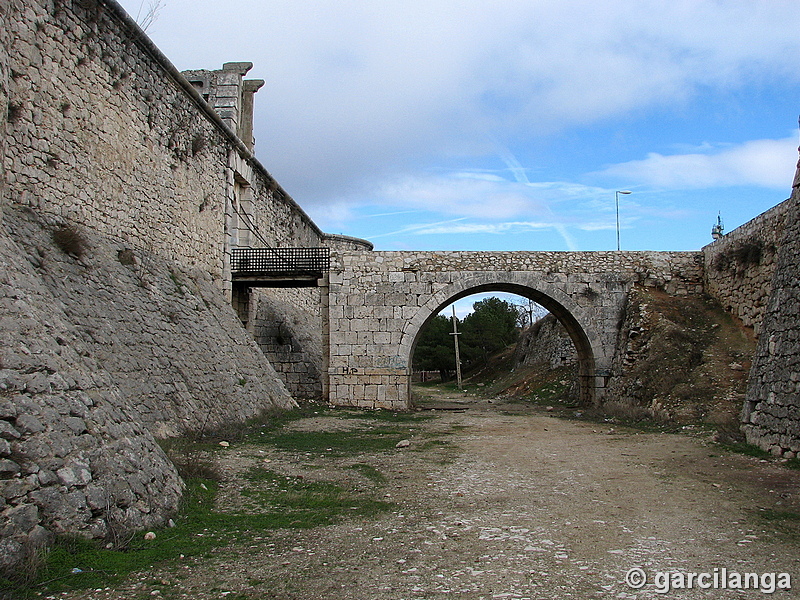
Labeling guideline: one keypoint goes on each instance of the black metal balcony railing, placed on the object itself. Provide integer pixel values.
(280, 260)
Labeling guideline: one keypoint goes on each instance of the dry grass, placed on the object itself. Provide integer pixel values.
(71, 240)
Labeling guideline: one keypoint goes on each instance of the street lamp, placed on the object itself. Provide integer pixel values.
(616, 198)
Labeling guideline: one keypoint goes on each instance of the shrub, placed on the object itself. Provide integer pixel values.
(70, 239)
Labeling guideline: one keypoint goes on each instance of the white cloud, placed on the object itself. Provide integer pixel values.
(472, 228)
(362, 89)
(766, 163)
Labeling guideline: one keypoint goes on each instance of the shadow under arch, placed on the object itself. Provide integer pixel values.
(571, 316)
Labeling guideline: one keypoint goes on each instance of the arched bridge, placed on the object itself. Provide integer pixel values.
(376, 303)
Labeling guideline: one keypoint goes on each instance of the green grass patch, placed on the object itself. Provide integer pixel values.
(430, 444)
(298, 503)
(333, 443)
(792, 463)
(283, 502)
(784, 522)
(778, 515)
(384, 416)
(552, 392)
(369, 472)
(78, 563)
(746, 449)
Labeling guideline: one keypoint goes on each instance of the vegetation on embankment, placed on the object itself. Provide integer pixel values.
(680, 360)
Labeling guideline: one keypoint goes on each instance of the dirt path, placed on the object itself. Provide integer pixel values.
(504, 501)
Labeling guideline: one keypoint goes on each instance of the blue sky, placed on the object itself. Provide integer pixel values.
(441, 125)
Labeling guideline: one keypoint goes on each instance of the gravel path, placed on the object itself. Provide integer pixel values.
(504, 501)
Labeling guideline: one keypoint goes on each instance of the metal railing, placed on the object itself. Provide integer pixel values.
(280, 260)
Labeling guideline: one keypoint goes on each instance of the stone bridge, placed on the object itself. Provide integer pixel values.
(376, 303)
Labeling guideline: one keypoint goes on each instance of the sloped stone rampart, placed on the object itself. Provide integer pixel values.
(546, 342)
(75, 454)
(99, 354)
(165, 334)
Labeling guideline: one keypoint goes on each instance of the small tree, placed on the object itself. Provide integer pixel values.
(489, 328)
(435, 350)
(529, 312)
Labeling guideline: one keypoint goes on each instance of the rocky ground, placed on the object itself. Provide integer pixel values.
(504, 501)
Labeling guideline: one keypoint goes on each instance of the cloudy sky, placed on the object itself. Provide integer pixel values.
(444, 125)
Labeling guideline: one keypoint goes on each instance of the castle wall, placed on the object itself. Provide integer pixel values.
(105, 133)
(4, 74)
(771, 412)
(287, 327)
(128, 335)
(75, 453)
(739, 267)
(546, 342)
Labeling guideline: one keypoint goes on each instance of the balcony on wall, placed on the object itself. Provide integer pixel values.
(279, 267)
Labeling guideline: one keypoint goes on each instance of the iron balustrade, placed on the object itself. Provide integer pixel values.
(280, 260)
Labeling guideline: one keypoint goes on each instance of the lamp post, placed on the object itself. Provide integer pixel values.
(616, 202)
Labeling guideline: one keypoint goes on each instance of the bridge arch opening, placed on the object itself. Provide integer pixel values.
(581, 338)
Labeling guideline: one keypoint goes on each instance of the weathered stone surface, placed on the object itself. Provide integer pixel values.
(739, 267)
(77, 475)
(8, 432)
(19, 520)
(378, 302)
(29, 424)
(287, 327)
(10, 552)
(546, 342)
(8, 468)
(771, 412)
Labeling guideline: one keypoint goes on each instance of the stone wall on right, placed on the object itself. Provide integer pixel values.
(739, 267)
(771, 415)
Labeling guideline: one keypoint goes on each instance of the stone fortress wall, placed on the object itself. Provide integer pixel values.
(129, 335)
(754, 271)
(771, 412)
(547, 343)
(133, 336)
(739, 266)
(106, 134)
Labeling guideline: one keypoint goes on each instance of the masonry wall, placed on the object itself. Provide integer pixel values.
(75, 453)
(103, 132)
(739, 267)
(546, 342)
(288, 328)
(771, 412)
(101, 136)
(4, 58)
(378, 302)
(127, 335)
